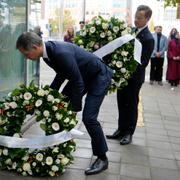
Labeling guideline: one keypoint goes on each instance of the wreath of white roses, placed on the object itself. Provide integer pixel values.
(54, 115)
(97, 33)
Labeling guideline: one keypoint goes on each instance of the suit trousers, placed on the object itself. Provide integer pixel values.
(96, 91)
(127, 100)
(156, 69)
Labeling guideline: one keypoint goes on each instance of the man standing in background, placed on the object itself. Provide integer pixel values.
(128, 97)
(157, 57)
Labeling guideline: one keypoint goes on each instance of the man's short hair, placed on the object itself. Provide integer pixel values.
(146, 9)
(27, 39)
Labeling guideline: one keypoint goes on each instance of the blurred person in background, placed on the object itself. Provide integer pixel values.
(173, 55)
(69, 35)
(157, 57)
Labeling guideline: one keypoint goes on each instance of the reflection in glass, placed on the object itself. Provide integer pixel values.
(12, 24)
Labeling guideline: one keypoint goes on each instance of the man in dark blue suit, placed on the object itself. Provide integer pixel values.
(86, 73)
(128, 97)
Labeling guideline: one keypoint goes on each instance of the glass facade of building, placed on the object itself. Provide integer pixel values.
(14, 69)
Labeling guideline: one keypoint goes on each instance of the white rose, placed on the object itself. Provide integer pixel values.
(102, 35)
(123, 70)
(50, 98)
(64, 161)
(39, 156)
(14, 165)
(49, 160)
(51, 173)
(38, 103)
(119, 64)
(115, 29)
(26, 167)
(5, 152)
(92, 30)
(34, 164)
(55, 126)
(96, 46)
(46, 113)
(54, 168)
(110, 38)
(41, 92)
(66, 120)
(27, 96)
(13, 105)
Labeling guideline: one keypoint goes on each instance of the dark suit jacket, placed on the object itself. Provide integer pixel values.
(76, 65)
(147, 41)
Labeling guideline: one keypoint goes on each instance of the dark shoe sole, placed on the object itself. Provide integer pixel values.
(97, 172)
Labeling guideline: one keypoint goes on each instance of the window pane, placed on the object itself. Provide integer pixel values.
(12, 24)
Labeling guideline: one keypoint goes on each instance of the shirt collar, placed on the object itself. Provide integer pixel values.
(140, 29)
(44, 51)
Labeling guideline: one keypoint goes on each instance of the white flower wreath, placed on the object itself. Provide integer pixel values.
(97, 33)
(54, 115)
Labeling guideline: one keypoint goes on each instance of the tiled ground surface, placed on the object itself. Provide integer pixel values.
(155, 151)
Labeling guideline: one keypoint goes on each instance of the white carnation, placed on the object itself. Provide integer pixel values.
(16, 135)
(58, 116)
(54, 168)
(80, 42)
(109, 33)
(27, 96)
(115, 29)
(38, 103)
(8, 161)
(55, 150)
(46, 113)
(124, 53)
(124, 32)
(66, 120)
(110, 38)
(26, 167)
(39, 156)
(34, 164)
(55, 126)
(49, 160)
(13, 105)
(73, 122)
(50, 98)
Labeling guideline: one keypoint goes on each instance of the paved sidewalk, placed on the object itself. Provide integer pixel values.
(154, 153)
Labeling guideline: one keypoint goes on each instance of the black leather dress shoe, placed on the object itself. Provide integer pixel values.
(97, 167)
(127, 139)
(115, 135)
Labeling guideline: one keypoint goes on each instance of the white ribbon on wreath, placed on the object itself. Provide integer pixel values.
(113, 45)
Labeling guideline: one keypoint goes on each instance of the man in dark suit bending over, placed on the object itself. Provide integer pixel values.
(86, 74)
(128, 97)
